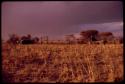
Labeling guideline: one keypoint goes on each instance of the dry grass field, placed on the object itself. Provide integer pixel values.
(62, 63)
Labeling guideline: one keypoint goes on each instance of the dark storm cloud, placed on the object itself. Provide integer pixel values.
(56, 18)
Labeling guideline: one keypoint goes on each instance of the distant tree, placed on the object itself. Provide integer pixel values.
(70, 38)
(23, 37)
(106, 36)
(120, 40)
(89, 35)
(26, 39)
(13, 38)
(35, 40)
(79, 40)
(29, 36)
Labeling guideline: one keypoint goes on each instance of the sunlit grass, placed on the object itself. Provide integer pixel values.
(63, 63)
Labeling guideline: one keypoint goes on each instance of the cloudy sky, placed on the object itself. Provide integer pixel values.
(58, 18)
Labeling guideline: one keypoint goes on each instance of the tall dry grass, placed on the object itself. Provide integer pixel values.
(62, 63)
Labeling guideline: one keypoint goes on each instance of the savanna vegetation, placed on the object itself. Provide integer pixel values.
(62, 63)
(94, 57)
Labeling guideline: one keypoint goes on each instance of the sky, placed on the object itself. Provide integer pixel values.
(59, 18)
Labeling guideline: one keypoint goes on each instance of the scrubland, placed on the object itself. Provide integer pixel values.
(62, 63)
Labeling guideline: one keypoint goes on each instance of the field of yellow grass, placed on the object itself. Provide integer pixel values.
(62, 63)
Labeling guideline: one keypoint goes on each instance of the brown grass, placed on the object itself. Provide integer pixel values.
(62, 63)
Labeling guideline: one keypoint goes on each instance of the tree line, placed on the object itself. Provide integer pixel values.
(88, 36)
(94, 36)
